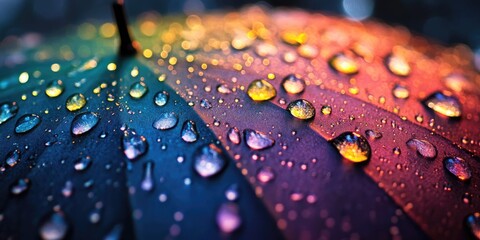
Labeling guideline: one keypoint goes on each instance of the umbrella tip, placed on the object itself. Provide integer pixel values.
(126, 43)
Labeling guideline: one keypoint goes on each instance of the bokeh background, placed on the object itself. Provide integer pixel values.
(445, 21)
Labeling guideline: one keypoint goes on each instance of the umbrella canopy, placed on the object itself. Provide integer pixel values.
(263, 124)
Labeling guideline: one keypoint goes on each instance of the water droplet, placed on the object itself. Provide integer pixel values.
(228, 217)
(232, 193)
(458, 167)
(223, 88)
(26, 123)
(343, 64)
(261, 90)
(372, 134)
(138, 90)
(326, 110)
(265, 174)
(400, 92)
(423, 147)
(147, 181)
(467, 198)
(397, 65)
(293, 84)
(301, 109)
(257, 140)
(8, 110)
(13, 157)
(189, 131)
(234, 135)
(459, 83)
(84, 122)
(208, 160)
(397, 151)
(54, 226)
(20, 186)
(166, 121)
(75, 102)
(308, 51)
(54, 88)
(161, 98)
(133, 145)
(83, 163)
(444, 103)
(204, 103)
(67, 190)
(352, 146)
(266, 49)
(472, 222)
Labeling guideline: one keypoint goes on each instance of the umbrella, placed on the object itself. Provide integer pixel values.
(256, 124)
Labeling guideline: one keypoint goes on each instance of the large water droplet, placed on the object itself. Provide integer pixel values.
(228, 217)
(257, 140)
(138, 90)
(343, 64)
(234, 135)
(208, 160)
(293, 84)
(397, 65)
(400, 92)
(20, 186)
(13, 157)
(54, 226)
(54, 88)
(261, 90)
(161, 98)
(265, 174)
(444, 103)
(8, 110)
(301, 109)
(472, 222)
(133, 145)
(423, 147)
(83, 163)
(84, 122)
(26, 123)
(166, 121)
(352, 146)
(458, 167)
(189, 131)
(75, 102)
(147, 181)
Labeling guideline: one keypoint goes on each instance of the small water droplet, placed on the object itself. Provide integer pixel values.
(84, 122)
(458, 167)
(161, 98)
(20, 186)
(204, 103)
(372, 134)
(472, 222)
(293, 84)
(423, 147)
(257, 140)
(301, 109)
(326, 110)
(208, 160)
(397, 151)
(8, 110)
(352, 146)
(75, 102)
(265, 174)
(55, 88)
(234, 135)
(189, 131)
(444, 103)
(133, 145)
(26, 123)
(138, 90)
(261, 90)
(166, 121)
(467, 198)
(147, 181)
(223, 88)
(54, 226)
(228, 217)
(233, 192)
(343, 64)
(67, 190)
(459, 83)
(400, 92)
(13, 157)
(397, 65)
(83, 163)
(308, 51)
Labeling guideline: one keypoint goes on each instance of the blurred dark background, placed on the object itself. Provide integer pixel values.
(446, 21)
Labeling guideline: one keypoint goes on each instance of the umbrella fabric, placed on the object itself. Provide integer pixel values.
(298, 186)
